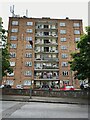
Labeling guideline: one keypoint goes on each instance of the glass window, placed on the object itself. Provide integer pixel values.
(9, 82)
(28, 55)
(64, 64)
(65, 73)
(12, 54)
(28, 38)
(29, 23)
(29, 30)
(63, 39)
(28, 64)
(13, 46)
(76, 24)
(28, 46)
(27, 82)
(10, 74)
(62, 24)
(28, 73)
(12, 63)
(62, 31)
(14, 22)
(64, 55)
(76, 31)
(77, 39)
(14, 30)
(64, 47)
(13, 38)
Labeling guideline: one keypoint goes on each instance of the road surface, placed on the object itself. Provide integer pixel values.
(13, 109)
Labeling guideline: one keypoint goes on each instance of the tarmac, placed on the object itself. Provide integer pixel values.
(44, 99)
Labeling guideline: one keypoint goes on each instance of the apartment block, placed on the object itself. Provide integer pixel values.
(40, 49)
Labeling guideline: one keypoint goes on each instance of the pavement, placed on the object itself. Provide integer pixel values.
(44, 99)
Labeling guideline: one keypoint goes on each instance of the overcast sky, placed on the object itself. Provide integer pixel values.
(54, 9)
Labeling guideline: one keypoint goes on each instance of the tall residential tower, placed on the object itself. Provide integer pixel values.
(40, 49)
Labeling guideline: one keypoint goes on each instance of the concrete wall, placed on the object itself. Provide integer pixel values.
(43, 93)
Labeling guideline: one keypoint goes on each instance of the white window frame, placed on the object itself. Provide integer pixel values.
(62, 31)
(63, 47)
(64, 64)
(27, 82)
(29, 30)
(28, 55)
(13, 45)
(29, 64)
(12, 64)
(64, 55)
(15, 30)
(77, 39)
(13, 38)
(62, 24)
(28, 73)
(12, 54)
(28, 46)
(77, 32)
(12, 74)
(15, 23)
(29, 23)
(63, 39)
(76, 24)
(65, 73)
(28, 38)
(10, 82)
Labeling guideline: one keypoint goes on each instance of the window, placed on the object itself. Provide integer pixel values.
(28, 73)
(28, 55)
(64, 55)
(46, 26)
(12, 54)
(12, 63)
(76, 32)
(14, 30)
(27, 82)
(13, 46)
(65, 73)
(14, 22)
(62, 24)
(29, 30)
(66, 82)
(29, 23)
(28, 64)
(28, 38)
(62, 31)
(77, 39)
(76, 24)
(64, 64)
(63, 47)
(9, 82)
(28, 46)
(63, 39)
(13, 38)
(46, 33)
(12, 74)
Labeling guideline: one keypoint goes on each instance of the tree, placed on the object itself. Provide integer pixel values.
(81, 60)
(5, 54)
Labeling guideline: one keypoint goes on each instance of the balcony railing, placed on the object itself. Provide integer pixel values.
(47, 59)
(42, 51)
(45, 44)
(37, 35)
(46, 77)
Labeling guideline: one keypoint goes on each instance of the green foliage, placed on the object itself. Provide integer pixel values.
(81, 60)
(5, 55)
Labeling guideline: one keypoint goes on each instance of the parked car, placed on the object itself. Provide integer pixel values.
(68, 88)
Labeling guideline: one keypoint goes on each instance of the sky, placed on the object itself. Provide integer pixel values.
(77, 9)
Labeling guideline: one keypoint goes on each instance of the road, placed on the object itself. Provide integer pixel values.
(13, 109)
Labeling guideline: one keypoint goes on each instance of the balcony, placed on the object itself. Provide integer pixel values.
(46, 44)
(46, 36)
(48, 52)
(46, 78)
(47, 68)
(46, 59)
